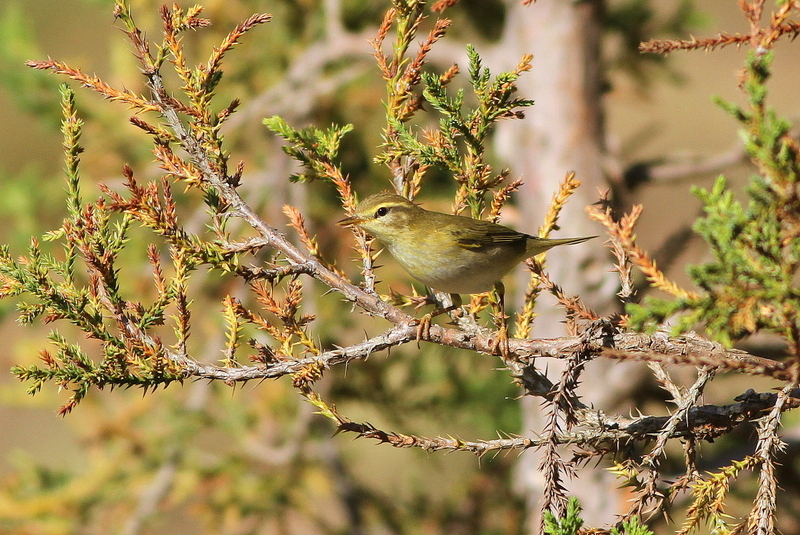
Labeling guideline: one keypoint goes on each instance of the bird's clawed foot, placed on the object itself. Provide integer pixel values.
(424, 327)
(500, 345)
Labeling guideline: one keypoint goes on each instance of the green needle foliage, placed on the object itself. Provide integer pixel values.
(568, 525)
(571, 523)
(315, 149)
(459, 143)
(751, 283)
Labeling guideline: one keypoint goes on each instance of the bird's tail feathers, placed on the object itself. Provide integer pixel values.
(540, 245)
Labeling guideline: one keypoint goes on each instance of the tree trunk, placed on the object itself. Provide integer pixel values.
(563, 132)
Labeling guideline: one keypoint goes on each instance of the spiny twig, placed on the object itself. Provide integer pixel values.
(650, 493)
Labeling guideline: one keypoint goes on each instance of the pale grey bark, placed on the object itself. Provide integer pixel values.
(563, 132)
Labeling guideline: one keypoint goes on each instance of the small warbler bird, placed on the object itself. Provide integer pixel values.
(449, 253)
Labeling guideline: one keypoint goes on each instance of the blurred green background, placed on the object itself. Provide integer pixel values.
(254, 459)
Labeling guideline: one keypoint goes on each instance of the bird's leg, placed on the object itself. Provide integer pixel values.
(425, 321)
(500, 345)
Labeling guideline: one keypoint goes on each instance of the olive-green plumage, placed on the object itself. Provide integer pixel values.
(449, 253)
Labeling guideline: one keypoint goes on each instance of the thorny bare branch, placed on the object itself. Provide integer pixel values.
(650, 493)
(598, 431)
(761, 519)
(659, 347)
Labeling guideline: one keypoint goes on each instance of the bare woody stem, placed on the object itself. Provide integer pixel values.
(272, 237)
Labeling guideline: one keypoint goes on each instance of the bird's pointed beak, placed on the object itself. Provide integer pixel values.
(350, 221)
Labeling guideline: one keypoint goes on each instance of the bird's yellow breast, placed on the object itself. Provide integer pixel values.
(436, 260)
(447, 252)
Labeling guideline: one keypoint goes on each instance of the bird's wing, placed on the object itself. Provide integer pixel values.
(475, 233)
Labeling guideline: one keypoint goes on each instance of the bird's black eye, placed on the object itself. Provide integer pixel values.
(382, 211)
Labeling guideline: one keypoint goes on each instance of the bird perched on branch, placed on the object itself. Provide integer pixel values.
(449, 253)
